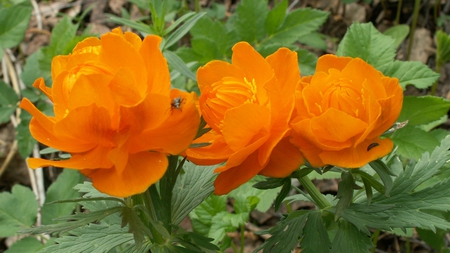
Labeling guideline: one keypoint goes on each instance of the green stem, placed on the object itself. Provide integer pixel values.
(242, 227)
(399, 10)
(318, 197)
(197, 6)
(413, 27)
(375, 237)
(437, 70)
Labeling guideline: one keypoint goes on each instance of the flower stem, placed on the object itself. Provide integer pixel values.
(413, 28)
(318, 197)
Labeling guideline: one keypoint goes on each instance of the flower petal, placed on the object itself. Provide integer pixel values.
(252, 63)
(331, 61)
(229, 180)
(284, 159)
(358, 156)
(142, 170)
(244, 123)
(215, 71)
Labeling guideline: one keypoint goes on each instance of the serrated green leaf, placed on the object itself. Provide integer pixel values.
(385, 175)
(285, 234)
(442, 47)
(182, 30)
(434, 239)
(366, 42)
(61, 189)
(14, 22)
(25, 141)
(345, 193)
(410, 73)
(349, 240)
(307, 61)
(73, 221)
(244, 193)
(177, 63)
(314, 40)
(269, 183)
(203, 214)
(191, 189)
(423, 110)
(8, 102)
(248, 20)
(93, 238)
(26, 245)
(313, 232)
(18, 210)
(412, 142)
(297, 24)
(398, 33)
(275, 17)
(283, 193)
(210, 40)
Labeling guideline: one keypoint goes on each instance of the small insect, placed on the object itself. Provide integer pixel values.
(176, 103)
(372, 145)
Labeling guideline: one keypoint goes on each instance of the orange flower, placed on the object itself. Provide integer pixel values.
(114, 113)
(342, 110)
(248, 105)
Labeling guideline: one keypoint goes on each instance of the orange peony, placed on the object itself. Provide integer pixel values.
(248, 105)
(342, 110)
(114, 113)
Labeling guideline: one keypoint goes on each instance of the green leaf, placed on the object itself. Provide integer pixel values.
(307, 61)
(275, 17)
(26, 245)
(210, 40)
(345, 193)
(73, 221)
(92, 238)
(398, 33)
(385, 175)
(366, 42)
(177, 63)
(18, 210)
(349, 240)
(61, 189)
(442, 47)
(25, 141)
(283, 193)
(246, 194)
(182, 30)
(314, 232)
(434, 239)
(297, 24)
(139, 26)
(410, 73)
(248, 20)
(14, 22)
(190, 189)
(412, 142)
(285, 234)
(203, 214)
(423, 110)
(8, 102)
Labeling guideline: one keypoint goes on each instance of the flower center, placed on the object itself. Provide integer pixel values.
(342, 95)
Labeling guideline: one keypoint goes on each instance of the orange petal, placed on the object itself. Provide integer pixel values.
(215, 153)
(242, 124)
(59, 63)
(361, 72)
(309, 150)
(87, 43)
(215, 71)
(358, 156)
(124, 88)
(91, 124)
(331, 61)
(284, 159)
(142, 170)
(40, 84)
(158, 76)
(117, 53)
(285, 65)
(252, 63)
(236, 176)
(93, 159)
(175, 134)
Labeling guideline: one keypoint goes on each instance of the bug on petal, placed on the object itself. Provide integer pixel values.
(372, 145)
(176, 103)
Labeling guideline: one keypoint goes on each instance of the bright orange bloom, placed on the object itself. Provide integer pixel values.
(114, 113)
(343, 109)
(248, 105)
